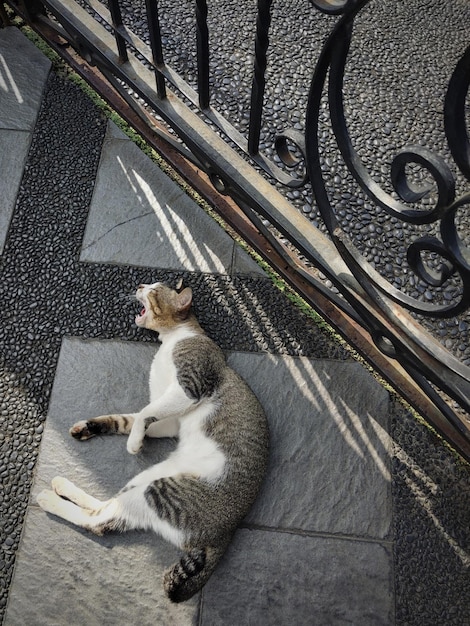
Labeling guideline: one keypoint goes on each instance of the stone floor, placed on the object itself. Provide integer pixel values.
(364, 517)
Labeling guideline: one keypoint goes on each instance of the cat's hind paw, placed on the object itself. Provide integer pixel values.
(68, 491)
(49, 501)
(62, 487)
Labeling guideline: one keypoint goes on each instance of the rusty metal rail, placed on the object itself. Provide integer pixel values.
(385, 323)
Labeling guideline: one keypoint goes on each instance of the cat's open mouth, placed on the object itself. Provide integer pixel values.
(139, 318)
(142, 299)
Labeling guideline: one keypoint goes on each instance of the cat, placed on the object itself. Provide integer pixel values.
(197, 496)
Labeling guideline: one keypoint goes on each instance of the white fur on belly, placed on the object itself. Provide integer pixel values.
(196, 453)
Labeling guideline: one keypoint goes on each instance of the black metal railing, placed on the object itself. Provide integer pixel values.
(308, 183)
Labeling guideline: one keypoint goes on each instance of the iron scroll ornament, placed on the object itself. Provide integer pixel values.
(453, 253)
(454, 114)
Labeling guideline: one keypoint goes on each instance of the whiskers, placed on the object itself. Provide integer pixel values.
(127, 297)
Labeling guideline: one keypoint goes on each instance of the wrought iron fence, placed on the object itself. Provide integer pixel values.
(332, 197)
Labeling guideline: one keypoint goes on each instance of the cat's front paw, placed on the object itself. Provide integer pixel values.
(134, 445)
(136, 437)
(82, 431)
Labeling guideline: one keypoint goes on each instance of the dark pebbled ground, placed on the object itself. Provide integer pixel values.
(431, 494)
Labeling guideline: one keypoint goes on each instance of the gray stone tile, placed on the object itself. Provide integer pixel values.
(273, 579)
(114, 132)
(67, 576)
(329, 466)
(14, 147)
(328, 420)
(21, 84)
(243, 263)
(140, 217)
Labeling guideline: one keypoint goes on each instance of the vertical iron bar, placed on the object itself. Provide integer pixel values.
(156, 44)
(116, 19)
(202, 42)
(263, 22)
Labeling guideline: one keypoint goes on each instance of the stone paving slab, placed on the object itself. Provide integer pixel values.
(276, 579)
(21, 84)
(139, 216)
(67, 576)
(295, 573)
(14, 145)
(21, 89)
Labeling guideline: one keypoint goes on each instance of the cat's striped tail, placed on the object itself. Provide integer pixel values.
(191, 573)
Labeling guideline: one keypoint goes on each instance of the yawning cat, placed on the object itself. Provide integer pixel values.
(196, 498)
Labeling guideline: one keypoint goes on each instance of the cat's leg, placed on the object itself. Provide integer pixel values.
(151, 427)
(172, 404)
(126, 511)
(98, 520)
(122, 424)
(67, 489)
(103, 425)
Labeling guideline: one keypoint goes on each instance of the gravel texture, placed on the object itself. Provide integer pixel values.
(431, 493)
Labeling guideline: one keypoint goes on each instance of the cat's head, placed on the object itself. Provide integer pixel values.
(163, 307)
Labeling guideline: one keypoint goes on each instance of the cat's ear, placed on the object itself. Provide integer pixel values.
(179, 284)
(184, 300)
